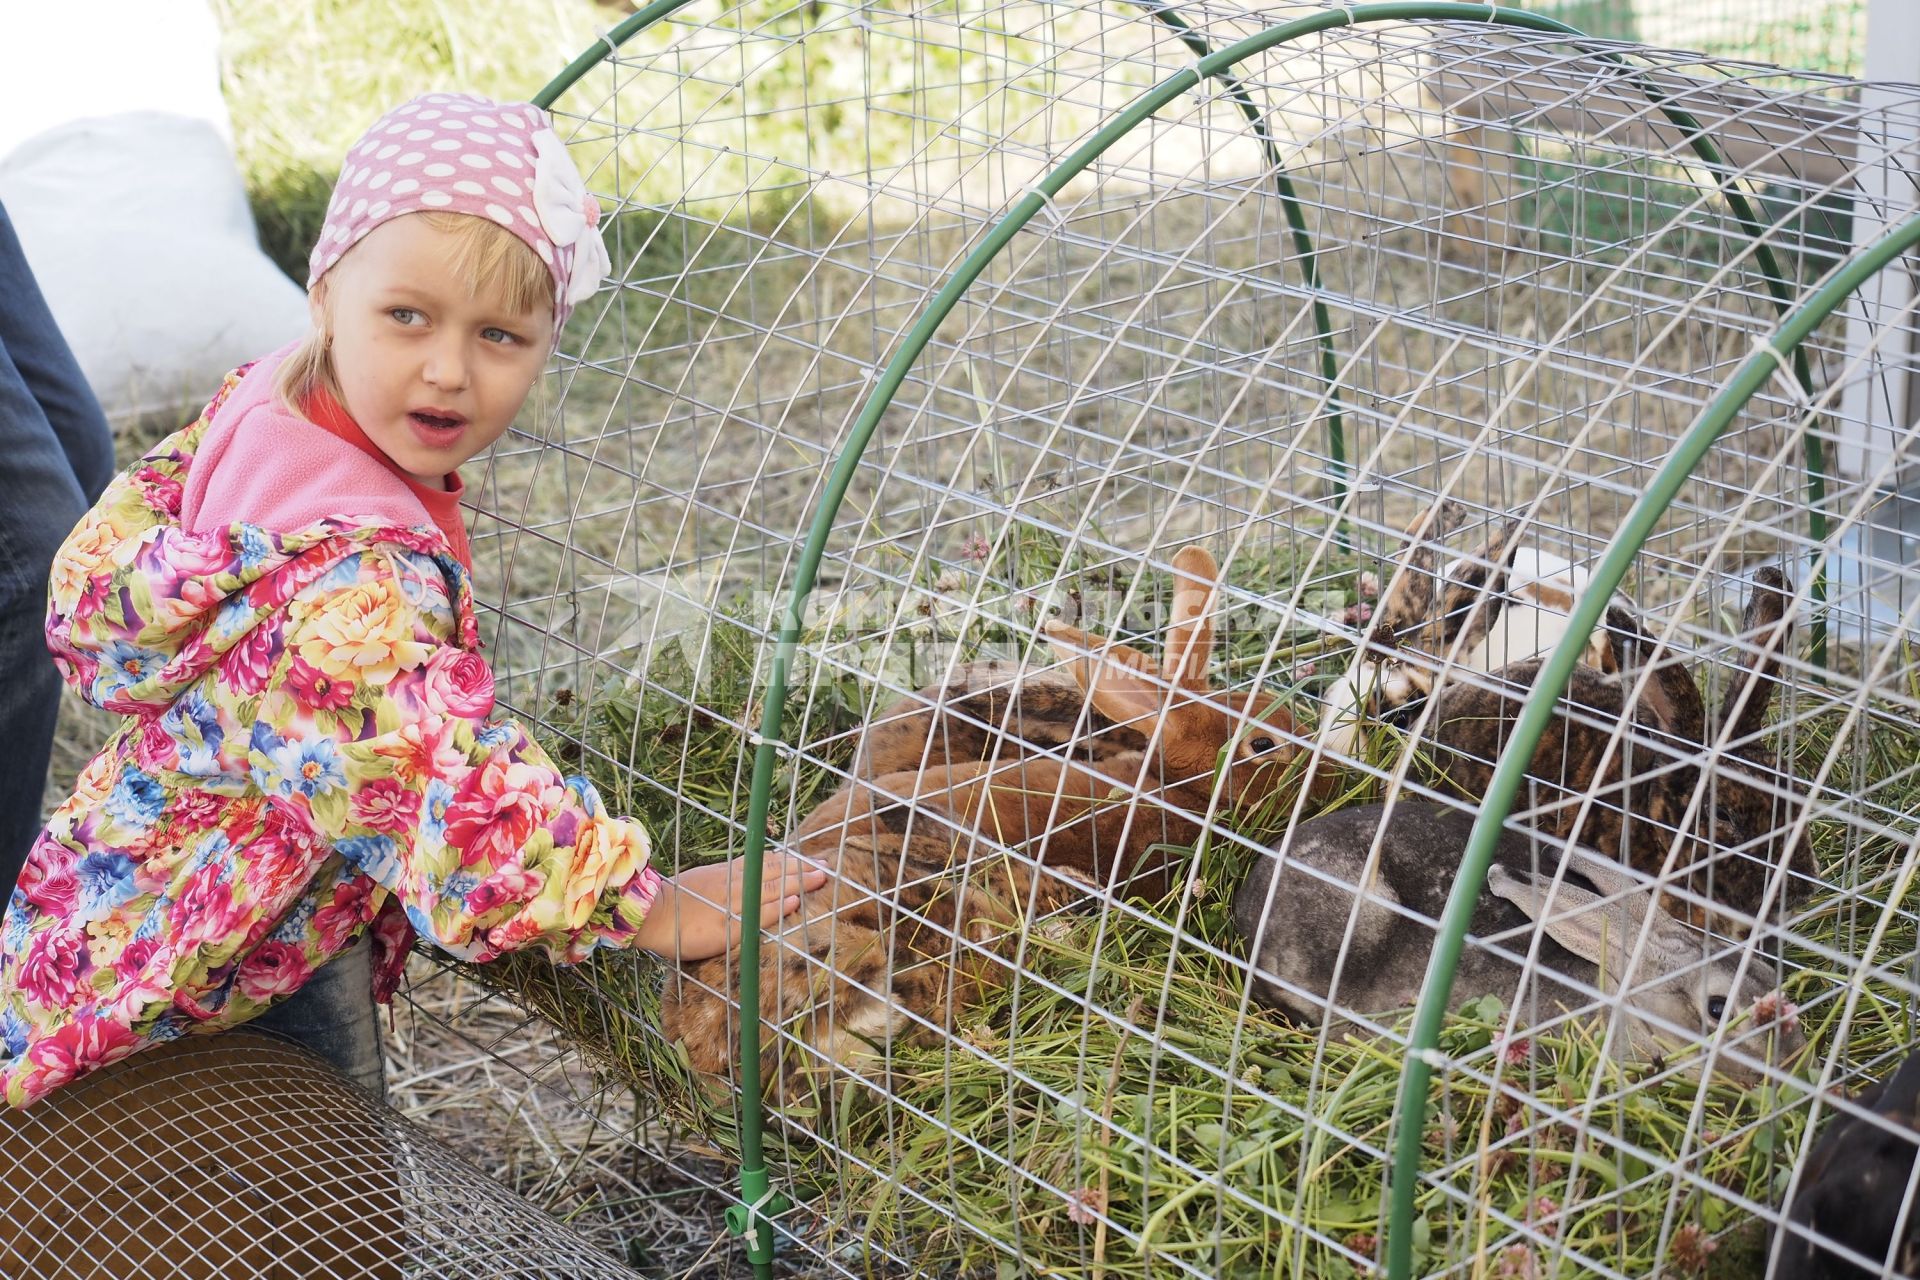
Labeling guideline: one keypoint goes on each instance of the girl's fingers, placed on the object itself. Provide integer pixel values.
(795, 876)
(772, 912)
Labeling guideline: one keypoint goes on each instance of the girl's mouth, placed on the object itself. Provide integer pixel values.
(436, 430)
(436, 421)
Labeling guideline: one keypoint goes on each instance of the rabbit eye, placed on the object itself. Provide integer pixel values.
(1717, 1007)
(1262, 744)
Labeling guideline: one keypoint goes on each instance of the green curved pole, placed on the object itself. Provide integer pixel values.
(1302, 247)
(594, 54)
(1536, 714)
(750, 1216)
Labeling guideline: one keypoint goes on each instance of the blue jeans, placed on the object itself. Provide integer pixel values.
(335, 1017)
(56, 456)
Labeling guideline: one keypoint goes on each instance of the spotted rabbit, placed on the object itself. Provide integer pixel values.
(1525, 593)
(1664, 788)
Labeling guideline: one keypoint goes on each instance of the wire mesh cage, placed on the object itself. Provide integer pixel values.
(246, 1157)
(1190, 515)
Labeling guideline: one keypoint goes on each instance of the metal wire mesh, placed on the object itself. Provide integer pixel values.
(1818, 35)
(1078, 1041)
(242, 1156)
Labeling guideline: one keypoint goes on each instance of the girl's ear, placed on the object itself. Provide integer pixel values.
(317, 308)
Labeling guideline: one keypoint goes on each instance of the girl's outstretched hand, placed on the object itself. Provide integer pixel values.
(698, 913)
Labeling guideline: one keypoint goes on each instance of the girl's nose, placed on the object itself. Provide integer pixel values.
(447, 366)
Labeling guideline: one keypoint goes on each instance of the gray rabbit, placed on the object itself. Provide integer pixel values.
(1297, 924)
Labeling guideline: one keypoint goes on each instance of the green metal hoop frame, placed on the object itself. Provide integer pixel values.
(752, 1216)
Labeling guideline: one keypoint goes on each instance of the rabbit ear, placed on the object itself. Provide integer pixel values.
(1748, 698)
(1610, 878)
(1109, 674)
(1600, 930)
(1669, 693)
(1619, 642)
(1674, 698)
(1190, 631)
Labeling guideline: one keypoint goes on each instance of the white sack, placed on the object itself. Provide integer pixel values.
(139, 233)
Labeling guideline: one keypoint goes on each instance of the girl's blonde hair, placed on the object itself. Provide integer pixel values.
(483, 252)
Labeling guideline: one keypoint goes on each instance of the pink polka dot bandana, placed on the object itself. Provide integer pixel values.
(458, 153)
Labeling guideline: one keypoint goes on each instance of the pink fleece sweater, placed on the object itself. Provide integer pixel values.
(266, 466)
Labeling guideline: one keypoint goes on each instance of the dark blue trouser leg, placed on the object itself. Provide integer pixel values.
(56, 455)
(334, 1015)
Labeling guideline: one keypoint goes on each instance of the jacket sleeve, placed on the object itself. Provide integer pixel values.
(375, 729)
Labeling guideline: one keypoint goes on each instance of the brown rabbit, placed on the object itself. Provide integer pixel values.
(934, 870)
(988, 710)
(1641, 797)
(996, 709)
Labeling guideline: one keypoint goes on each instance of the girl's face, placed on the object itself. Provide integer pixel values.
(431, 374)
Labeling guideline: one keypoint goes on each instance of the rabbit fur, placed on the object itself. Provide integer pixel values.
(1415, 632)
(1642, 789)
(995, 709)
(987, 710)
(1298, 906)
(933, 870)
(1853, 1188)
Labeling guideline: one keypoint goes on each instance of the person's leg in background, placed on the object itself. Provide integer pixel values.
(56, 456)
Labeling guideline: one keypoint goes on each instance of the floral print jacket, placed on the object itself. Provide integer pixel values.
(307, 754)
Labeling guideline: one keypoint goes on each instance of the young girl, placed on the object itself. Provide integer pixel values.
(277, 600)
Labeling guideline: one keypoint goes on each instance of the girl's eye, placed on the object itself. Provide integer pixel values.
(500, 336)
(405, 315)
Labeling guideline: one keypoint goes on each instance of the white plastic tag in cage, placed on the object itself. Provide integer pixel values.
(655, 625)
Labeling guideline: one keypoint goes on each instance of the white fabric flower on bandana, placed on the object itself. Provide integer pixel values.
(569, 214)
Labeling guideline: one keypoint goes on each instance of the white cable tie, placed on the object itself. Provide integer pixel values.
(606, 38)
(1433, 1058)
(1051, 209)
(754, 1216)
(1784, 363)
(754, 739)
